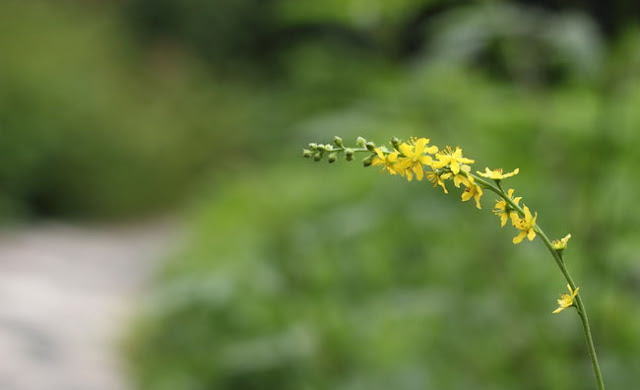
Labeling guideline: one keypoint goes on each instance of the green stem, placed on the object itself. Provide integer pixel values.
(582, 311)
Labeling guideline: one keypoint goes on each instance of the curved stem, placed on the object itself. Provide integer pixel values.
(582, 311)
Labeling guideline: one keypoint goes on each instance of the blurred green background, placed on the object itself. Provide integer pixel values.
(308, 276)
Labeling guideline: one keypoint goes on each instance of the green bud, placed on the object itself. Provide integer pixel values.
(370, 146)
(367, 161)
(313, 146)
(395, 142)
(361, 142)
(317, 156)
(348, 154)
(332, 157)
(328, 147)
(320, 148)
(338, 142)
(307, 153)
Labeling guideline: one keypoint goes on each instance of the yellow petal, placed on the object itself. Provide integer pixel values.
(431, 149)
(518, 239)
(406, 149)
(409, 175)
(420, 144)
(426, 160)
(417, 169)
(575, 292)
(455, 167)
(503, 219)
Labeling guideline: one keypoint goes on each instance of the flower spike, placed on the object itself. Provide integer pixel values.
(416, 158)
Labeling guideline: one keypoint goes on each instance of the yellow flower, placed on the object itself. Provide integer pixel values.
(472, 191)
(496, 174)
(525, 225)
(501, 209)
(462, 177)
(388, 161)
(436, 179)
(566, 300)
(561, 243)
(414, 155)
(452, 158)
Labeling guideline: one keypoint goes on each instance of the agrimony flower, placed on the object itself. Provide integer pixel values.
(387, 160)
(415, 154)
(503, 209)
(496, 174)
(525, 225)
(472, 191)
(566, 300)
(452, 158)
(462, 177)
(436, 179)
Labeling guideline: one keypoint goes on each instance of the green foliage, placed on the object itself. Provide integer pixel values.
(88, 129)
(93, 125)
(234, 35)
(221, 31)
(301, 275)
(522, 43)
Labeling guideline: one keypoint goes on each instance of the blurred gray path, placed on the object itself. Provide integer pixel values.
(66, 296)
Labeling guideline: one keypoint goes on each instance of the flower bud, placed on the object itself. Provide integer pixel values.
(370, 146)
(348, 154)
(317, 156)
(320, 148)
(367, 161)
(307, 153)
(361, 142)
(395, 142)
(338, 142)
(332, 157)
(328, 147)
(561, 244)
(313, 146)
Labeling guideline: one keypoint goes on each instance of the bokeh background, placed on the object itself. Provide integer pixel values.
(295, 275)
